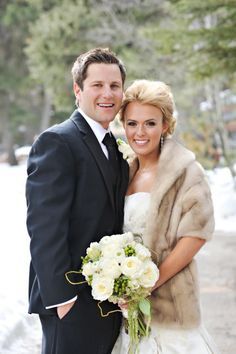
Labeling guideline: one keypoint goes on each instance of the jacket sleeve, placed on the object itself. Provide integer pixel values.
(49, 191)
(197, 217)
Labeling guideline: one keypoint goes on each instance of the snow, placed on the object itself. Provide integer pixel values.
(14, 263)
(22, 151)
(15, 323)
(224, 199)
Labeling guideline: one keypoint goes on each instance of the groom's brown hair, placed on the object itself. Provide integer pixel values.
(95, 56)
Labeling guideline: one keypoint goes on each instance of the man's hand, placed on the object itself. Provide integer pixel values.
(64, 309)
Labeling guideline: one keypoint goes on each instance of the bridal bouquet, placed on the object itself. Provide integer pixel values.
(119, 269)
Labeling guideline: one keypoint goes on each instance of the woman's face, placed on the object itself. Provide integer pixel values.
(144, 126)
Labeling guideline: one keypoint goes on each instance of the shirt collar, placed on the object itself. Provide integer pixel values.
(96, 127)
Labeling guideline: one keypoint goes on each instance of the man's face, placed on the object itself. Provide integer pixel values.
(102, 93)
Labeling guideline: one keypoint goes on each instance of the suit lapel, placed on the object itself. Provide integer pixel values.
(124, 173)
(95, 148)
(122, 185)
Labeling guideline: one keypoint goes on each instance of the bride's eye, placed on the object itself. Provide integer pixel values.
(151, 123)
(131, 123)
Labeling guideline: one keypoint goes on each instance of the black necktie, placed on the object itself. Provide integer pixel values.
(110, 143)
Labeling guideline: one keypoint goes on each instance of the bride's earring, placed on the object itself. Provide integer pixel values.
(161, 143)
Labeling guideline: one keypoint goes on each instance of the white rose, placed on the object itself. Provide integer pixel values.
(93, 251)
(142, 252)
(88, 269)
(131, 267)
(105, 240)
(102, 287)
(150, 275)
(110, 267)
(128, 237)
(116, 238)
(112, 250)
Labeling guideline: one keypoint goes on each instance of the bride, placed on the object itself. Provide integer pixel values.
(169, 203)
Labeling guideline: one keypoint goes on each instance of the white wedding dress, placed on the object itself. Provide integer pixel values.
(161, 340)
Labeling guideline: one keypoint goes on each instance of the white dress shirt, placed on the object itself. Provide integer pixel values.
(100, 133)
(98, 130)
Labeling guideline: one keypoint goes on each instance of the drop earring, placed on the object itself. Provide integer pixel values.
(161, 143)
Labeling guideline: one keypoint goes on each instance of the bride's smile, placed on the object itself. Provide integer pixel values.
(144, 126)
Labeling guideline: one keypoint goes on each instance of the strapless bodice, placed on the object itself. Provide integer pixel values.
(135, 212)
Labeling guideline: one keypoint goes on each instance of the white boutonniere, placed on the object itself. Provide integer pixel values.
(125, 149)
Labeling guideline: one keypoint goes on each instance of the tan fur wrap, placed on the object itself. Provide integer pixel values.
(180, 206)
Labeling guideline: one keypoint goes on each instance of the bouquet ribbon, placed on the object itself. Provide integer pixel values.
(83, 282)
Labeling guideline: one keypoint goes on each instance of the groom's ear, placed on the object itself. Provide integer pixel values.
(77, 89)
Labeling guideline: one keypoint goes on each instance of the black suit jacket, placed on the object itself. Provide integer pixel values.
(71, 203)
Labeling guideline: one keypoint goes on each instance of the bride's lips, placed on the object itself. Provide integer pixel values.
(141, 142)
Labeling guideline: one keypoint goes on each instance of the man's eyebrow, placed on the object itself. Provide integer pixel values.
(101, 81)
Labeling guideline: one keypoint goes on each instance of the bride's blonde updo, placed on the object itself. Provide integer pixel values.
(155, 93)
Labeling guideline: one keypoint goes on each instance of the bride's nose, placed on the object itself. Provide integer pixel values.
(140, 130)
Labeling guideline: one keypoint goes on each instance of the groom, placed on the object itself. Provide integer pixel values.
(75, 191)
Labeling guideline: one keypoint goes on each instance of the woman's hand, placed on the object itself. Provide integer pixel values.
(123, 305)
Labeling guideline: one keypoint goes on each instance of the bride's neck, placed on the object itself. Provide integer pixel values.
(147, 164)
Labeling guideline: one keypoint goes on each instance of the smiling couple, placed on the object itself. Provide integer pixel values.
(79, 188)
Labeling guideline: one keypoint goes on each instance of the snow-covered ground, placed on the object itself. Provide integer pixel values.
(224, 199)
(15, 324)
(14, 262)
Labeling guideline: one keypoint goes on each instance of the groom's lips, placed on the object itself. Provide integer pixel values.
(106, 105)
